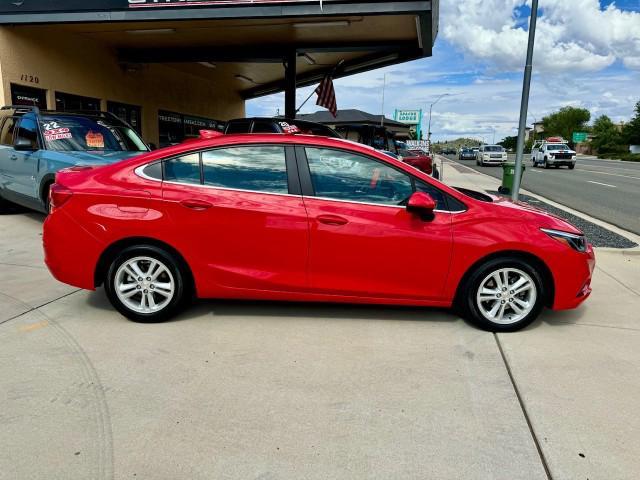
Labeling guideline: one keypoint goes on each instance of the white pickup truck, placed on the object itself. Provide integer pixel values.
(552, 153)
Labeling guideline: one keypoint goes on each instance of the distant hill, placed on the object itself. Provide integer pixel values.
(457, 144)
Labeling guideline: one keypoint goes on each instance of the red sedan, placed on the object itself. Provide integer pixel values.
(304, 218)
(418, 159)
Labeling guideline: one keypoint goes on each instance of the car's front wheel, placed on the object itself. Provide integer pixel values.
(503, 295)
(146, 284)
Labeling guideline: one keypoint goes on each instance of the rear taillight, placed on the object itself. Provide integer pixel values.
(58, 196)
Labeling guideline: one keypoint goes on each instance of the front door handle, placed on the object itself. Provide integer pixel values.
(332, 220)
(194, 204)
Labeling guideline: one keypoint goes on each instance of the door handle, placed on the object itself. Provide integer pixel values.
(13, 157)
(194, 204)
(332, 220)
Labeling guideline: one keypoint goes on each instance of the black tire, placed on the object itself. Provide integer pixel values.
(571, 167)
(546, 164)
(178, 275)
(467, 299)
(45, 197)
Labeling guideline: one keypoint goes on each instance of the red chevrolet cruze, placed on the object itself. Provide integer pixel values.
(304, 218)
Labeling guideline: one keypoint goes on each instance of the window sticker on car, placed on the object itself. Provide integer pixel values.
(57, 134)
(94, 139)
(287, 128)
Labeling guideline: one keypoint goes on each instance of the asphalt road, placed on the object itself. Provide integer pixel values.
(605, 189)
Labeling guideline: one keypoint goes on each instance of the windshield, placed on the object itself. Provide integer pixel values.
(557, 147)
(467, 150)
(80, 133)
(310, 128)
(493, 148)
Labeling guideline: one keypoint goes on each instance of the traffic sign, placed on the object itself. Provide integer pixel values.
(579, 137)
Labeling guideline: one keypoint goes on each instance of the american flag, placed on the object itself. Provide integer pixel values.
(327, 95)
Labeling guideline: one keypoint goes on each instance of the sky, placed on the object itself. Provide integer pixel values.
(587, 54)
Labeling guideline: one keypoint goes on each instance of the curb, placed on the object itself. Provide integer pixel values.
(628, 235)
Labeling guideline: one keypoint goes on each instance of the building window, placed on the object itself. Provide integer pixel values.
(21, 95)
(67, 101)
(176, 127)
(131, 114)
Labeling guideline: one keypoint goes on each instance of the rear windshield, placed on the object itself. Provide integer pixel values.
(79, 133)
(493, 148)
(557, 147)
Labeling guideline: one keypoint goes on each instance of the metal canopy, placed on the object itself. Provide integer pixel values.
(250, 39)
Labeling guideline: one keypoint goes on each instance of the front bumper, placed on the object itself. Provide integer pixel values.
(573, 279)
(561, 161)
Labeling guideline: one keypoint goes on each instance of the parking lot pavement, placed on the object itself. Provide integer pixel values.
(25, 282)
(279, 390)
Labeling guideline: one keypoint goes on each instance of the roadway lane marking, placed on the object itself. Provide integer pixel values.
(605, 184)
(607, 173)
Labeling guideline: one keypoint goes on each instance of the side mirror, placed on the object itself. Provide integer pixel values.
(22, 144)
(421, 203)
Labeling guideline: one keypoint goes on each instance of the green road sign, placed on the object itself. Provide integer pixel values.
(579, 137)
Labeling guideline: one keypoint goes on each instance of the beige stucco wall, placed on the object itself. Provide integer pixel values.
(72, 63)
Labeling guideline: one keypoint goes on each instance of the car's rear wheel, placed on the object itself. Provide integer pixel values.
(503, 295)
(146, 284)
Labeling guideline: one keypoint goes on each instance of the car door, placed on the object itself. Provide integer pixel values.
(8, 157)
(363, 241)
(241, 217)
(26, 164)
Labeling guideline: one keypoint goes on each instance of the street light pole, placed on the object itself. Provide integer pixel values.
(430, 110)
(524, 105)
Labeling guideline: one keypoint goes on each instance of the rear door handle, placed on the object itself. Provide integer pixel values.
(194, 204)
(332, 220)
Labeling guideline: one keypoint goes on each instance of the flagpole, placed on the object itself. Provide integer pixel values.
(333, 72)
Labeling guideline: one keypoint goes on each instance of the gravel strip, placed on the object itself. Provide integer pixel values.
(597, 235)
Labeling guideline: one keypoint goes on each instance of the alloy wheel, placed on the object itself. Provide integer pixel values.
(506, 296)
(144, 284)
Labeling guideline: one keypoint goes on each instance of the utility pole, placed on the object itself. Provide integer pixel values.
(524, 105)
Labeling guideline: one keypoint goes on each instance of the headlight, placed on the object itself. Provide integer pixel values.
(573, 240)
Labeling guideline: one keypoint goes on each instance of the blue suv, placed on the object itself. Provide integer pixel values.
(35, 144)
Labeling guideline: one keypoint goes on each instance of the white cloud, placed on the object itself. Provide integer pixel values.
(576, 35)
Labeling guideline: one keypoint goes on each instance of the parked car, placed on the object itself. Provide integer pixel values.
(553, 152)
(278, 125)
(417, 159)
(467, 154)
(449, 151)
(35, 144)
(304, 218)
(491, 155)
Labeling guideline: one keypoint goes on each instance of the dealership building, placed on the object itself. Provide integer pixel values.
(173, 67)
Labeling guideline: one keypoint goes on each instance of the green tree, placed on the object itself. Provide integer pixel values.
(566, 121)
(509, 143)
(607, 138)
(631, 131)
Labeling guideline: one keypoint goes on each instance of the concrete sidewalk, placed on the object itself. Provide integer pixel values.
(237, 390)
(577, 371)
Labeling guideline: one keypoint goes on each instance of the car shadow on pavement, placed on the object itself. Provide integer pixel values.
(281, 309)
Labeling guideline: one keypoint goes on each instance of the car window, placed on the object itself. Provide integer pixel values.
(260, 168)
(347, 176)
(6, 136)
(84, 133)
(262, 126)
(493, 148)
(185, 169)
(238, 126)
(28, 130)
(557, 147)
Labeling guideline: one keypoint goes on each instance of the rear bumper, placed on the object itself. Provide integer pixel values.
(573, 279)
(70, 252)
